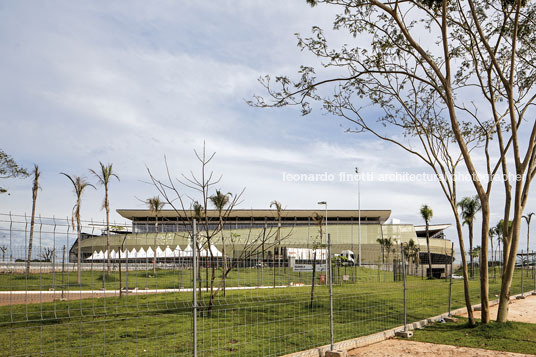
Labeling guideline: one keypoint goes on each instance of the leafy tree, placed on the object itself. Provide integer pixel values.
(469, 207)
(79, 186)
(220, 201)
(10, 169)
(427, 214)
(104, 175)
(155, 206)
(381, 242)
(476, 57)
(36, 174)
(388, 244)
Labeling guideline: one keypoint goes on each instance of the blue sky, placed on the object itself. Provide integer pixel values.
(130, 82)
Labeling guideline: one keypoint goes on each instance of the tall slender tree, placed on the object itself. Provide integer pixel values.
(155, 206)
(79, 185)
(220, 201)
(35, 187)
(104, 176)
(427, 214)
(528, 218)
(388, 243)
(469, 207)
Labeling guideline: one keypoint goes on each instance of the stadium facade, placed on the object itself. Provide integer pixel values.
(253, 234)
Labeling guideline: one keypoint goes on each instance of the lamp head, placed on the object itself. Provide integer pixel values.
(322, 203)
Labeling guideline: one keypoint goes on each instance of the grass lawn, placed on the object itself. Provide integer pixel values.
(258, 322)
(511, 336)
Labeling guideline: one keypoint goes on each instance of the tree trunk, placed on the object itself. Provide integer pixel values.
(484, 282)
(32, 224)
(79, 276)
(467, 296)
(224, 259)
(509, 266)
(313, 281)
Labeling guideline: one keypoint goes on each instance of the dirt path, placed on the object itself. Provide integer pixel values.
(519, 310)
(394, 348)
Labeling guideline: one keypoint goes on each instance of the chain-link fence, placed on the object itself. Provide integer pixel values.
(134, 294)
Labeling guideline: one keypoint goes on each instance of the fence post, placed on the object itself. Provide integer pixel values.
(63, 274)
(194, 305)
(522, 268)
(450, 277)
(404, 277)
(330, 281)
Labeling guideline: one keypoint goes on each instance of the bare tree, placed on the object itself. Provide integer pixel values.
(48, 254)
(317, 244)
(9, 168)
(35, 188)
(278, 210)
(219, 201)
(79, 186)
(3, 249)
(103, 176)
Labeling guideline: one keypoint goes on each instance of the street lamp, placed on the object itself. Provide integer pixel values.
(358, 214)
(326, 216)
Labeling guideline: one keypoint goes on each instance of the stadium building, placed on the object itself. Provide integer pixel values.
(253, 235)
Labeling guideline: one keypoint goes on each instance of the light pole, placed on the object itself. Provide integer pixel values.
(326, 215)
(358, 215)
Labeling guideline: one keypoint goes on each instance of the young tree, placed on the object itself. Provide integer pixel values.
(469, 207)
(220, 201)
(388, 243)
(35, 187)
(10, 169)
(427, 214)
(79, 186)
(475, 57)
(48, 254)
(155, 206)
(103, 176)
(3, 249)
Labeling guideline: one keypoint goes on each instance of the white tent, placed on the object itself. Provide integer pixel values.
(132, 253)
(215, 251)
(188, 251)
(159, 253)
(92, 256)
(141, 253)
(113, 254)
(98, 256)
(150, 253)
(177, 252)
(168, 253)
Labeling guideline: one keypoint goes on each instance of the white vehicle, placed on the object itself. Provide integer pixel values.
(348, 257)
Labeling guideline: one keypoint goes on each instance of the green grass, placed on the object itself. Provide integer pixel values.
(259, 322)
(511, 336)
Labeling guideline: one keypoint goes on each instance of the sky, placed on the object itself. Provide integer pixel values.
(130, 83)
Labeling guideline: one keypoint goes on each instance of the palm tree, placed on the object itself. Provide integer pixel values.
(427, 214)
(155, 205)
(36, 174)
(104, 176)
(79, 184)
(528, 218)
(278, 209)
(381, 242)
(220, 200)
(3, 249)
(470, 206)
(492, 233)
(388, 243)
